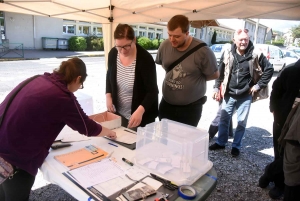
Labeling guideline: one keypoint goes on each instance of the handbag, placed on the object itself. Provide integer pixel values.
(256, 73)
(6, 169)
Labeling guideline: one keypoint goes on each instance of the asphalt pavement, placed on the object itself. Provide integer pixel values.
(29, 54)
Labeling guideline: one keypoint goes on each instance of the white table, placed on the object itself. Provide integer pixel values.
(52, 170)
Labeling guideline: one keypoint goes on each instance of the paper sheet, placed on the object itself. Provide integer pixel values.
(96, 173)
(125, 135)
(74, 138)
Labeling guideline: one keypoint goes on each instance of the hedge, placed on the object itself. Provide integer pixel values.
(77, 43)
(94, 43)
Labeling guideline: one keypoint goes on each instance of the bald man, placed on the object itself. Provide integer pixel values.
(238, 87)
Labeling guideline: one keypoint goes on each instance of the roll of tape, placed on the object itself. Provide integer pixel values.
(187, 192)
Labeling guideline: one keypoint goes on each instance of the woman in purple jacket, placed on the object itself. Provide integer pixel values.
(33, 120)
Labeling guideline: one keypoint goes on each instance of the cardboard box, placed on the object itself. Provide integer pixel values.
(107, 119)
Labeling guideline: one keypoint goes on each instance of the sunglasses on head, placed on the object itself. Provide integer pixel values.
(242, 30)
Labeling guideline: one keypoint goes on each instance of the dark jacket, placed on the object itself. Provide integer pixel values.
(235, 74)
(145, 90)
(35, 118)
(284, 91)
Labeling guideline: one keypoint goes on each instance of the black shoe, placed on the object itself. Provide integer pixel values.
(216, 147)
(235, 151)
(276, 193)
(264, 180)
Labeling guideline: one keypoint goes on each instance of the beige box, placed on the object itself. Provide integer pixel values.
(107, 119)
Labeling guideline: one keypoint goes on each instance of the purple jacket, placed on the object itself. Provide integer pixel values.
(35, 118)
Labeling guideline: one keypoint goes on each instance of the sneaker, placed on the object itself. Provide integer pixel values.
(235, 151)
(216, 147)
(276, 193)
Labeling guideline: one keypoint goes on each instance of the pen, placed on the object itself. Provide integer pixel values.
(113, 144)
(127, 161)
(129, 131)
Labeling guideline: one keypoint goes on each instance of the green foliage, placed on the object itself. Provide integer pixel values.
(145, 42)
(77, 43)
(277, 43)
(214, 38)
(94, 43)
(296, 31)
(156, 43)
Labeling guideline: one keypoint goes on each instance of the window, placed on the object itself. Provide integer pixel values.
(150, 35)
(69, 29)
(85, 30)
(142, 33)
(97, 30)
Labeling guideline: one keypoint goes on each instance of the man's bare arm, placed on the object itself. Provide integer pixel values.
(213, 76)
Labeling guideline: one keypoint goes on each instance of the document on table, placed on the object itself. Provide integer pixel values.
(125, 135)
(97, 172)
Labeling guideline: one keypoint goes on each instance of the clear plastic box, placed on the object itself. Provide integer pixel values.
(172, 150)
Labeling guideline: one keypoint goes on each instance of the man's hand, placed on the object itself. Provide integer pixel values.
(108, 133)
(136, 118)
(253, 90)
(215, 96)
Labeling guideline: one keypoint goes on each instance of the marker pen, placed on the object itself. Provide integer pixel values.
(127, 161)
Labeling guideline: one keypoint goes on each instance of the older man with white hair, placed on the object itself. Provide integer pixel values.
(238, 87)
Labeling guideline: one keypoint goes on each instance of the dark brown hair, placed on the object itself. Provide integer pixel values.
(179, 21)
(71, 69)
(124, 31)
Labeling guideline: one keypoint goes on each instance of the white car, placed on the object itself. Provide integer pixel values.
(273, 53)
(290, 57)
(218, 50)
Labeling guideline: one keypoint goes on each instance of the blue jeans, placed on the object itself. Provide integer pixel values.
(242, 106)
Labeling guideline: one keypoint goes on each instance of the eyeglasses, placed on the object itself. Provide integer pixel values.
(125, 47)
(242, 30)
(81, 86)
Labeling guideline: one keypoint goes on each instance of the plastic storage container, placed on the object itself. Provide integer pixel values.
(49, 43)
(62, 43)
(175, 151)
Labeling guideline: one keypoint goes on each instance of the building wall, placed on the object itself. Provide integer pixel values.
(261, 32)
(29, 29)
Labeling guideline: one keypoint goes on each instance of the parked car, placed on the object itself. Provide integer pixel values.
(295, 50)
(218, 50)
(273, 53)
(290, 57)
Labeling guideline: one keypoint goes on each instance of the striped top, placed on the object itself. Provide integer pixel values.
(125, 81)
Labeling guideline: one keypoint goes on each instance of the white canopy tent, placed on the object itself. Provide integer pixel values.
(112, 12)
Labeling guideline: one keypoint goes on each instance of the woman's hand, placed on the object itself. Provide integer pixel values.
(108, 133)
(109, 104)
(136, 118)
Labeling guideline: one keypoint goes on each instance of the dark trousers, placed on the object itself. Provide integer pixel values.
(274, 170)
(292, 193)
(187, 114)
(18, 188)
(276, 134)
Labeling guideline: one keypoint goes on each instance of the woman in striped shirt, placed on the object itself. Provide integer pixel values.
(131, 83)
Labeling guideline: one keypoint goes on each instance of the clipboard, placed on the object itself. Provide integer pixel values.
(98, 196)
(88, 154)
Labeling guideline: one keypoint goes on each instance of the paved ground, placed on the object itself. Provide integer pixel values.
(237, 177)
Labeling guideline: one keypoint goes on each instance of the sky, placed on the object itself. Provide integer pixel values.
(278, 25)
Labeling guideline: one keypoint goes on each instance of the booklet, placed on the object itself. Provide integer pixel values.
(87, 155)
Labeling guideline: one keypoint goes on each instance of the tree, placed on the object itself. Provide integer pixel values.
(296, 31)
(214, 38)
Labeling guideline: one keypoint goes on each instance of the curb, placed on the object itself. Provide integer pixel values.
(58, 57)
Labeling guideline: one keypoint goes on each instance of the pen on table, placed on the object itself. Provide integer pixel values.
(113, 144)
(127, 161)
